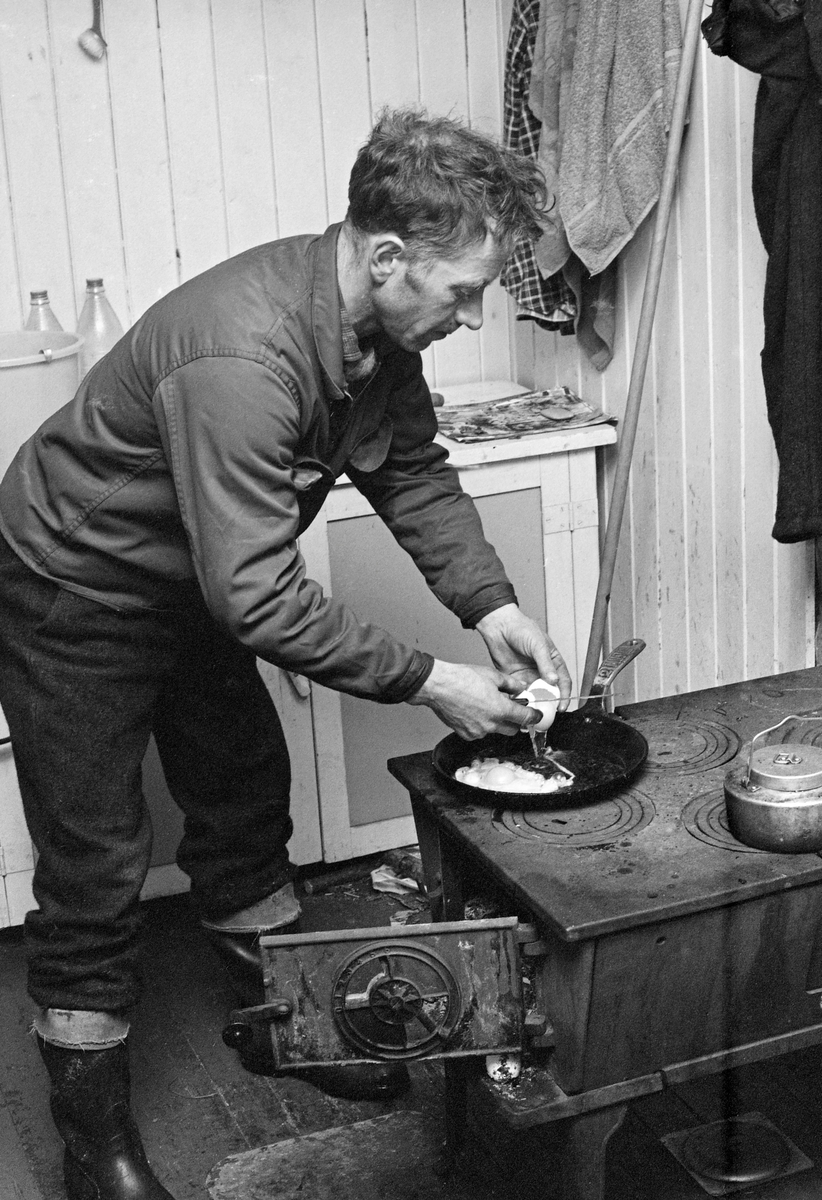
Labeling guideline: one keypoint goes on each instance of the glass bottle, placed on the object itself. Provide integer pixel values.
(98, 326)
(40, 314)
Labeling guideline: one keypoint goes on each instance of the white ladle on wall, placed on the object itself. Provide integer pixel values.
(91, 40)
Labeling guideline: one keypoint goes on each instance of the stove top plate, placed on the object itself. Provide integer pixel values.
(660, 847)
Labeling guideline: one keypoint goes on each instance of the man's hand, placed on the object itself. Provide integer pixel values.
(474, 701)
(522, 651)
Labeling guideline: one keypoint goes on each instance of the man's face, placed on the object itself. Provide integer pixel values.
(423, 302)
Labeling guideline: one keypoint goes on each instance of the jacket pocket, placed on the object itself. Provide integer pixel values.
(312, 481)
(371, 451)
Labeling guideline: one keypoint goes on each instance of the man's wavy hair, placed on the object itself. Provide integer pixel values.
(439, 185)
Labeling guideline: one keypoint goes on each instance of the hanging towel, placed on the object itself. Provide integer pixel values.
(625, 66)
(548, 98)
(559, 294)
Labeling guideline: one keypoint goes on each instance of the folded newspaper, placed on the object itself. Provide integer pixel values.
(517, 416)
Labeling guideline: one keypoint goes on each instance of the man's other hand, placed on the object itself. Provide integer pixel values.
(523, 651)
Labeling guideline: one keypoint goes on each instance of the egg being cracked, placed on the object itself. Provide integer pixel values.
(545, 698)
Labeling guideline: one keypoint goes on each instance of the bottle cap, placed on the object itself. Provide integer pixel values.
(94, 283)
(39, 295)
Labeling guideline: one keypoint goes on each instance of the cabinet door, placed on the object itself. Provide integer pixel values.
(16, 851)
(371, 574)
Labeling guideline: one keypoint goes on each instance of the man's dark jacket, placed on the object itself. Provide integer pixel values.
(198, 449)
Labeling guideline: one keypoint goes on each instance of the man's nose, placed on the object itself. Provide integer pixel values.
(469, 313)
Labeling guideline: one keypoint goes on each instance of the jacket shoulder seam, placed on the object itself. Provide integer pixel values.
(232, 352)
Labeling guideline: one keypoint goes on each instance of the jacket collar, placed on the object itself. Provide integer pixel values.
(325, 313)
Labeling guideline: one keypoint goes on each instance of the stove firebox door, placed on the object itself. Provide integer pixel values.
(388, 994)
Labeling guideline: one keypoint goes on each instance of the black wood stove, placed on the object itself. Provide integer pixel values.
(655, 947)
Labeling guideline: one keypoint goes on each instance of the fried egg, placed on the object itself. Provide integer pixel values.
(498, 775)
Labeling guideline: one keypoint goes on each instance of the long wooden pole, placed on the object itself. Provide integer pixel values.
(643, 345)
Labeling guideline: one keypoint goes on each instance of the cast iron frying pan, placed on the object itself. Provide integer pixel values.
(603, 751)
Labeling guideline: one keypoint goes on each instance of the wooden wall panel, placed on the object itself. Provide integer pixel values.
(444, 89)
(189, 84)
(393, 62)
(695, 399)
(483, 46)
(296, 116)
(244, 118)
(636, 606)
(144, 186)
(12, 313)
(83, 109)
(724, 351)
(346, 110)
(31, 143)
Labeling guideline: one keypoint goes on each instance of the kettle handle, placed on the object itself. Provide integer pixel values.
(770, 729)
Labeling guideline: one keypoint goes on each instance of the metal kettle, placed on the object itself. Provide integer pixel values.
(774, 797)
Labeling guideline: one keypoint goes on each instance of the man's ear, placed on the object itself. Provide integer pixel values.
(387, 252)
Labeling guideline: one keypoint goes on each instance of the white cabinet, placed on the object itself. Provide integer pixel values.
(538, 499)
(16, 853)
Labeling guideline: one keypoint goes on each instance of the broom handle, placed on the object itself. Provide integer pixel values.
(643, 345)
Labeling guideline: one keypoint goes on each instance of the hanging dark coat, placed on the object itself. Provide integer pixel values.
(781, 41)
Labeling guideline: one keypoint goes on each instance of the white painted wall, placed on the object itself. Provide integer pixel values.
(212, 125)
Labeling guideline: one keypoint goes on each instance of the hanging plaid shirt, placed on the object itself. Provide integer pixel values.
(550, 301)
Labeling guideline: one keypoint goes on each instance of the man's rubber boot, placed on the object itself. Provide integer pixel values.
(236, 938)
(90, 1104)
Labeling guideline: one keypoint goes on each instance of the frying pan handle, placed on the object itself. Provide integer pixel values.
(613, 663)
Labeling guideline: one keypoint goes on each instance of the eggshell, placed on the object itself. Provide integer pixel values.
(545, 697)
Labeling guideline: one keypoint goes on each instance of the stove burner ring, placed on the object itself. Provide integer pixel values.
(706, 819)
(687, 746)
(585, 825)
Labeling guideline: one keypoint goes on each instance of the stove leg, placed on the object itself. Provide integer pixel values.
(441, 868)
(456, 1112)
(585, 1143)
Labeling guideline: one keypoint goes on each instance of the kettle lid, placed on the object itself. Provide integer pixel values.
(789, 767)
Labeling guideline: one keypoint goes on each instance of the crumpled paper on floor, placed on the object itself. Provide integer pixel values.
(386, 879)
